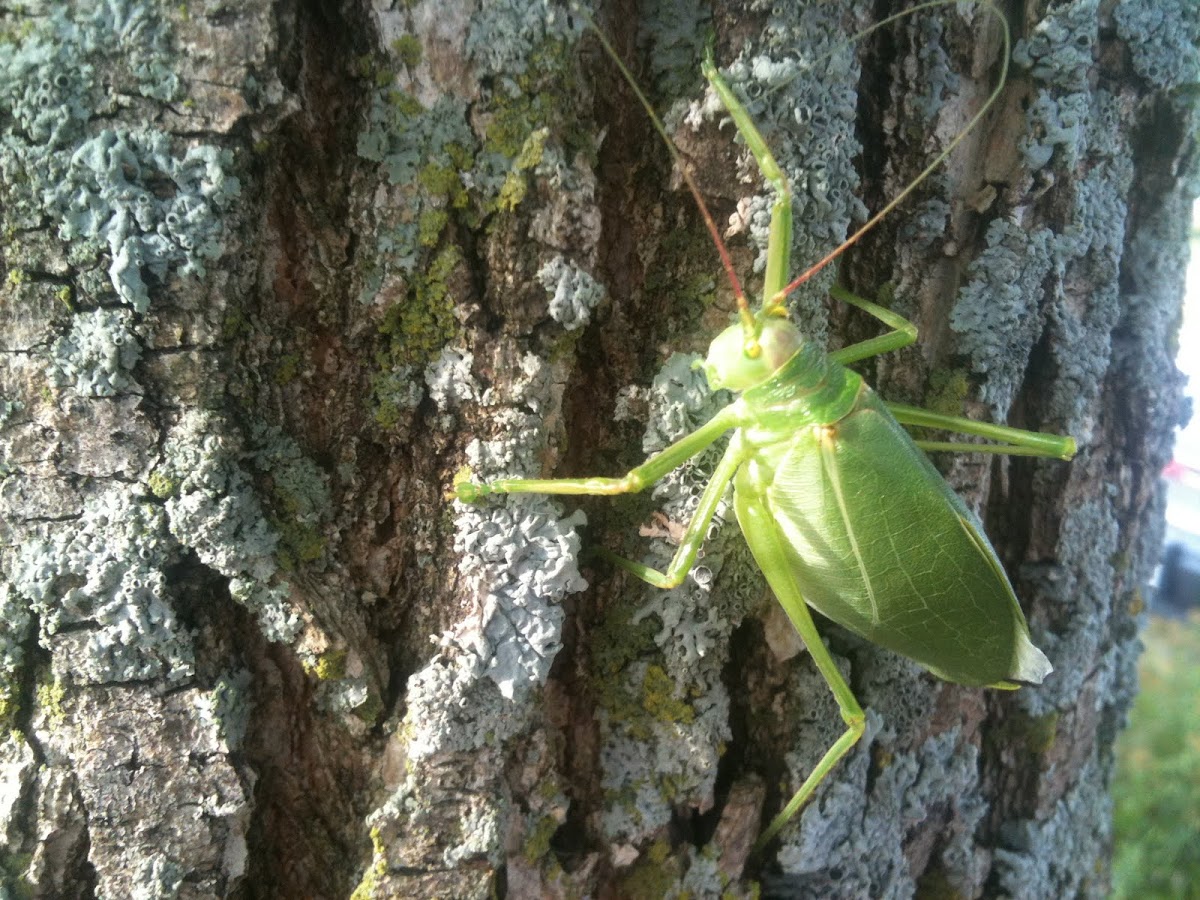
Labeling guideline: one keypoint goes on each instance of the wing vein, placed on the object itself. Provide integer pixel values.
(835, 481)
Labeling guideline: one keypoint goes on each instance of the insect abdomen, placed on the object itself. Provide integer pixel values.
(880, 544)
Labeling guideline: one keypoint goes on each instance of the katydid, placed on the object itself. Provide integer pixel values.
(840, 507)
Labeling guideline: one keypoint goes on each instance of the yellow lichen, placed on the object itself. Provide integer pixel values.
(331, 664)
(660, 700)
(515, 185)
(50, 695)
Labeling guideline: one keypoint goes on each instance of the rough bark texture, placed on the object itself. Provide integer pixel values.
(275, 271)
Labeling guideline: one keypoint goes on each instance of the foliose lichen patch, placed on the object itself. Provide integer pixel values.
(100, 595)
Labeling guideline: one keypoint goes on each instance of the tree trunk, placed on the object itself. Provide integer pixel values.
(276, 271)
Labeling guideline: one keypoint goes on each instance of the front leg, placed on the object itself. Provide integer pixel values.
(902, 334)
(632, 482)
(693, 537)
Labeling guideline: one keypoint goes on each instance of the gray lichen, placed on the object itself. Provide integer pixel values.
(96, 358)
(15, 621)
(1000, 312)
(997, 313)
(101, 596)
(673, 34)
(214, 511)
(852, 838)
(449, 378)
(939, 78)
(105, 190)
(111, 222)
(519, 559)
(1061, 49)
(520, 562)
(505, 35)
(573, 292)
(229, 706)
(1041, 859)
(663, 723)
(1164, 38)
(106, 195)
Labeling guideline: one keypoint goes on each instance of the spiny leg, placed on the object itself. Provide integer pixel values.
(1012, 441)
(902, 334)
(633, 481)
(779, 242)
(766, 543)
(693, 537)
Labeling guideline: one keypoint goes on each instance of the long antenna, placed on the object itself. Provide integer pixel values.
(743, 305)
(726, 261)
(941, 157)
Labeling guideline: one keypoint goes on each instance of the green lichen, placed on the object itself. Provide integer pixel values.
(535, 100)
(430, 225)
(14, 880)
(298, 544)
(449, 169)
(680, 273)
(18, 33)
(424, 153)
(162, 485)
(370, 709)
(402, 102)
(235, 324)
(407, 49)
(561, 348)
(537, 841)
(653, 876)
(365, 66)
(1038, 734)
(388, 393)
(1042, 733)
(288, 369)
(299, 490)
(618, 643)
(420, 327)
(935, 884)
(619, 640)
(444, 181)
(948, 390)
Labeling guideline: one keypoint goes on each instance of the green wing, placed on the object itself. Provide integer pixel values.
(880, 544)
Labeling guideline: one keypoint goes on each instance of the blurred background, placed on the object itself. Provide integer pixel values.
(1157, 788)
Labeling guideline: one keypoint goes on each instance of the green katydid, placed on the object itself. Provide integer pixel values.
(840, 507)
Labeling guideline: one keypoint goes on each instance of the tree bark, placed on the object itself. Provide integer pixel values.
(275, 272)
